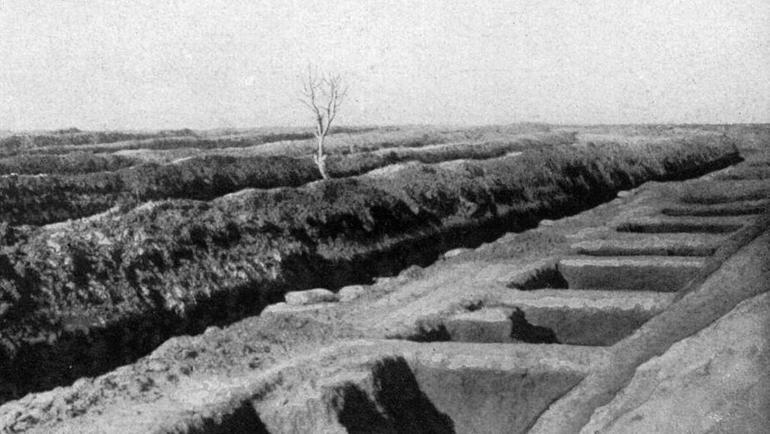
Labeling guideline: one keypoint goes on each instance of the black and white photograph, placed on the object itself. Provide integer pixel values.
(384, 216)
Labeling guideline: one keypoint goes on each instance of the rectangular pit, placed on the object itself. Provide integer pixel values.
(614, 273)
(722, 192)
(635, 244)
(590, 318)
(398, 386)
(637, 273)
(498, 388)
(750, 207)
(667, 224)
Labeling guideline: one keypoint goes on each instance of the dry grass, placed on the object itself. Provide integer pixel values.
(349, 142)
(43, 200)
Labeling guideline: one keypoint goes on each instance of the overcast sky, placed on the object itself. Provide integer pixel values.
(202, 64)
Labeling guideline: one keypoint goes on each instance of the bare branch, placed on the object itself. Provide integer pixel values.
(305, 103)
(322, 94)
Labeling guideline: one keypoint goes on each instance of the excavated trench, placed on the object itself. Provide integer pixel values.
(737, 207)
(444, 388)
(424, 396)
(485, 399)
(86, 352)
(499, 365)
(630, 273)
(647, 258)
(490, 380)
(90, 351)
(603, 292)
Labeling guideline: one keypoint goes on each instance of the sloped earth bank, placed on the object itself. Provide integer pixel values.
(533, 348)
(730, 357)
(38, 200)
(83, 298)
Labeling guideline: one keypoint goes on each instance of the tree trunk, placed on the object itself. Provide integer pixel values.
(320, 158)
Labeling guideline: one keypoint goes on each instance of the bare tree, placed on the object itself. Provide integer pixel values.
(322, 94)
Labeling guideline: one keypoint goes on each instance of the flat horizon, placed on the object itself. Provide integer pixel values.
(361, 126)
(105, 65)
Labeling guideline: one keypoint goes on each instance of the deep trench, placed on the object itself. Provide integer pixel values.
(77, 353)
(398, 404)
(521, 331)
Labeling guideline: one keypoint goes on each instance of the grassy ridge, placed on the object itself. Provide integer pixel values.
(355, 141)
(69, 139)
(93, 294)
(43, 200)
(163, 140)
(69, 164)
